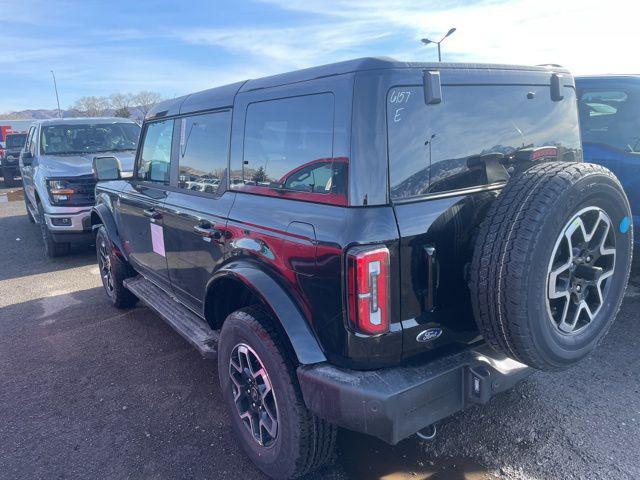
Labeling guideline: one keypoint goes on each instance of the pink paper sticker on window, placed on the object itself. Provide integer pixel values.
(157, 239)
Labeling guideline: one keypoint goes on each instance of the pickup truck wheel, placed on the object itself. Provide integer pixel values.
(7, 176)
(51, 248)
(552, 263)
(113, 272)
(260, 387)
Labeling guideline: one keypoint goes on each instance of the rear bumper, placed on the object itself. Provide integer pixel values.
(394, 403)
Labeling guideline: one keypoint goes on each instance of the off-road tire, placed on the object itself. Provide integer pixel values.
(304, 442)
(511, 261)
(51, 248)
(119, 270)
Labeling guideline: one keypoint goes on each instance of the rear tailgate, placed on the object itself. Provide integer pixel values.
(448, 162)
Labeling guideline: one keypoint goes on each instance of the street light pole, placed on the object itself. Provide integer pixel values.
(55, 86)
(426, 41)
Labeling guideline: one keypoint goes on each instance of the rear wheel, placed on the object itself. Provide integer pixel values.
(260, 388)
(7, 175)
(113, 272)
(552, 263)
(51, 247)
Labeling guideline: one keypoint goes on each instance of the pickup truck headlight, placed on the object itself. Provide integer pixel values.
(59, 190)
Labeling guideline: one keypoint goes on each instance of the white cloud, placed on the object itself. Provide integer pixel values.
(291, 47)
(587, 36)
(584, 35)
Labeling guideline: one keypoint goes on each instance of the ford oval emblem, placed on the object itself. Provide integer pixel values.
(429, 335)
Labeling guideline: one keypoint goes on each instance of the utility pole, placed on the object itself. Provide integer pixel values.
(426, 41)
(55, 86)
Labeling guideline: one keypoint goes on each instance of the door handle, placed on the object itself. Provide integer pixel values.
(151, 213)
(433, 277)
(207, 231)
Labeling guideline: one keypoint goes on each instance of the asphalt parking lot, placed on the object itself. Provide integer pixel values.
(87, 391)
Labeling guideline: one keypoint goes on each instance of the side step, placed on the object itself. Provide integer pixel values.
(183, 320)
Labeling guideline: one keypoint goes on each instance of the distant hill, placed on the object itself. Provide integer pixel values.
(39, 114)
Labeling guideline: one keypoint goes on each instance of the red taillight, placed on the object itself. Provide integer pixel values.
(368, 289)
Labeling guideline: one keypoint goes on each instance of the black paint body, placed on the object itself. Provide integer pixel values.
(300, 244)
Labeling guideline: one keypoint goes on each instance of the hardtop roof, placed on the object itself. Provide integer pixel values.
(81, 120)
(223, 97)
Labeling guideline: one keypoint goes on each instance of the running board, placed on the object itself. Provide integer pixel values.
(179, 317)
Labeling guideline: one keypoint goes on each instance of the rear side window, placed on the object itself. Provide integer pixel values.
(288, 150)
(16, 140)
(204, 149)
(156, 152)
(448, 146)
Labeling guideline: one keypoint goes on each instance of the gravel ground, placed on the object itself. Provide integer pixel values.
(91, 392)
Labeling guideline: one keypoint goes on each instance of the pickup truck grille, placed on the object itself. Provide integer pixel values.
(84, 191)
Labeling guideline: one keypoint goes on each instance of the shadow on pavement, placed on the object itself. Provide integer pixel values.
(89, 391)
(19, 238)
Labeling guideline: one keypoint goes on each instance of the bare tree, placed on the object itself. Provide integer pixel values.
(120, 103)
(145, 101)
(92, 106)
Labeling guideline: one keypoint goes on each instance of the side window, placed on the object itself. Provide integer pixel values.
(313, 178)
(204, 149)
(288, 148)
(29, 144)
(156, 152)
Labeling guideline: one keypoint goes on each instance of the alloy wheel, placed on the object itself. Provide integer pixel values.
(583, 261)
(253, 395)
(105, 266)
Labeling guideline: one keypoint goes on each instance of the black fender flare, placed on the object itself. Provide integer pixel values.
(287, 312)
(105, 216)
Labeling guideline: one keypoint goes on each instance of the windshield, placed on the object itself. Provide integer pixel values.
(611, 117)
(89, 138)
(16, 140)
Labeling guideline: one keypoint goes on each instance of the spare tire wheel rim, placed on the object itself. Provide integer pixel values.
(253, 395)
(583, 261)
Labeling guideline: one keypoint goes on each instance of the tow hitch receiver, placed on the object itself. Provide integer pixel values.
(478, 385)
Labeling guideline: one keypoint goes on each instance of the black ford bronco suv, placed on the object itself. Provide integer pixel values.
(384, 244)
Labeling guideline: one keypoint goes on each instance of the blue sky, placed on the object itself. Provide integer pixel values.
(102, 47)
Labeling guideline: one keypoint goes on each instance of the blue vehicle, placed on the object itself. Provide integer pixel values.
(610, 123)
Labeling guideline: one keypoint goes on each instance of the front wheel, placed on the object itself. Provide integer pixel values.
(113, 272)
(260, 388)
(51, 247)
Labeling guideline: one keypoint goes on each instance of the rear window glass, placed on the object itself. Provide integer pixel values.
(611, 117)
(16, 140)
(435, 148)
(288, 149)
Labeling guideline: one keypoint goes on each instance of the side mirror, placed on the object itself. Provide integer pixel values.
(27, 158)
(106, 168)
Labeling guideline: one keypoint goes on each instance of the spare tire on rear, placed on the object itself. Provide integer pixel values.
(551, 263)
